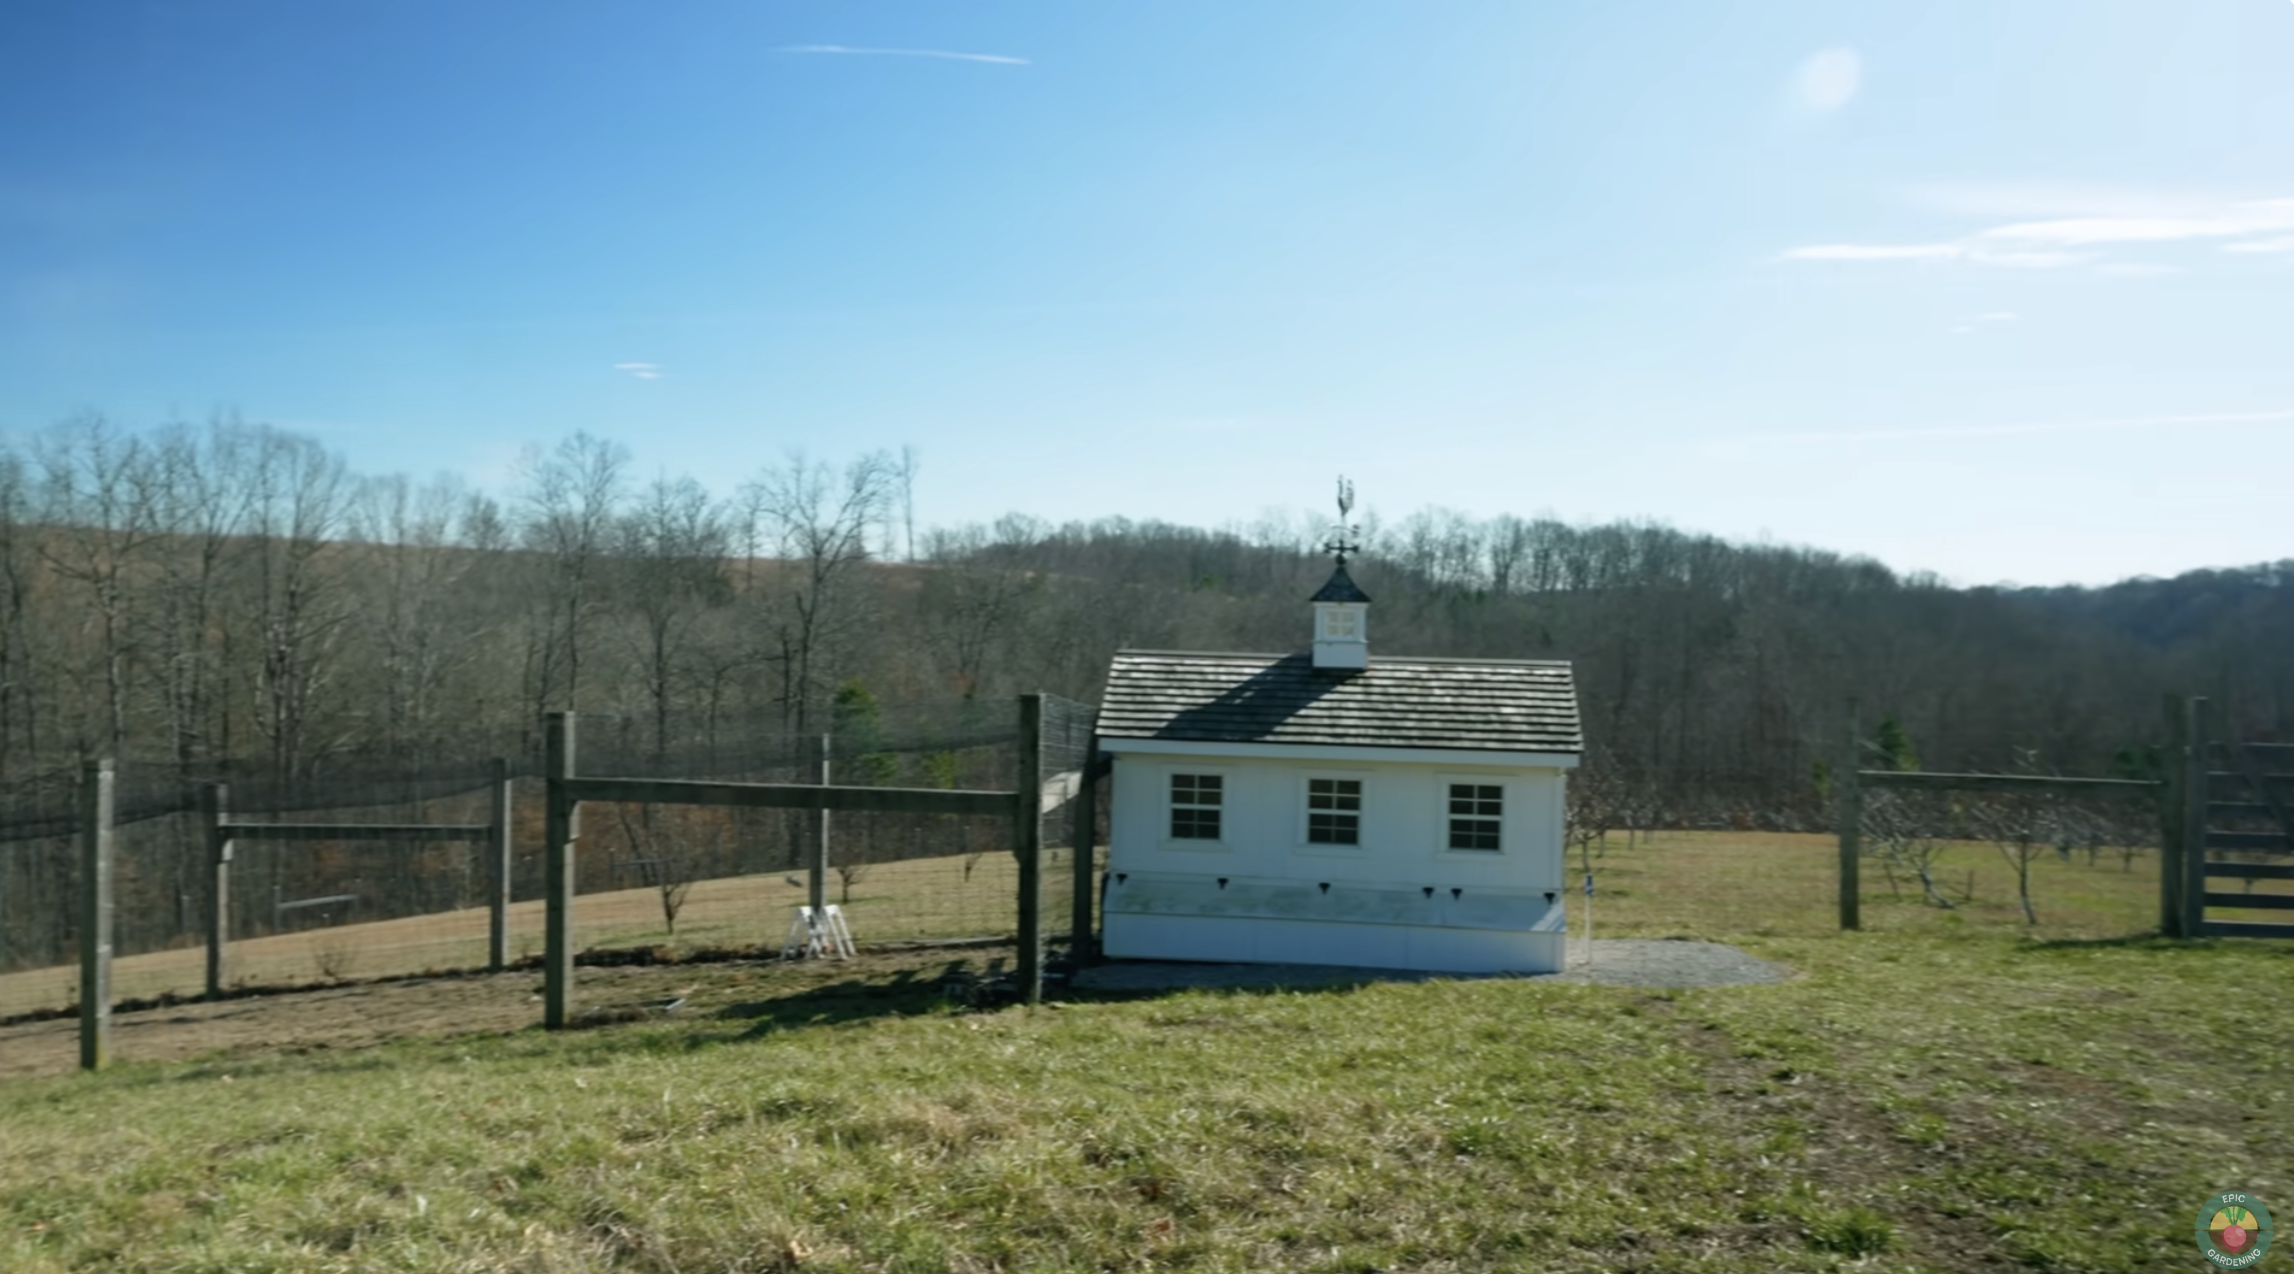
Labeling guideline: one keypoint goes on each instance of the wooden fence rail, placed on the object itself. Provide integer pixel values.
(224, 833)
(2186, 810)
(566, 790)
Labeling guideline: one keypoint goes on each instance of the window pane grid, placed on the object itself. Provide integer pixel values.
(1475, 813)
(1333, 811)
(1333, 829)
(1195, 802)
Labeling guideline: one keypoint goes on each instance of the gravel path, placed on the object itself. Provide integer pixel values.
(1616, 962)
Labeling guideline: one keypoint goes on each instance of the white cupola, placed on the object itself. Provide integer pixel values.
(1341, 622)
(1342, 609)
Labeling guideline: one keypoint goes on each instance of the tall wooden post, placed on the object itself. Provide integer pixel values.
(96, 915)
(215, 807)
(2194, 820)
(1852, 824)
(2174, 773)
(498, 886)
(1079, 949)
(816, 877)
(1027, 842)
(562, 827)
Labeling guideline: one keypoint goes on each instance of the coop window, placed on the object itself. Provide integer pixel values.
(1334, 811)
(1196, 801)
(1338, 623)
(1475, 812)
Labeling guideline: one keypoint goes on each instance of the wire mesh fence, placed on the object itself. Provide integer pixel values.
(661, 881)
(1067, 754)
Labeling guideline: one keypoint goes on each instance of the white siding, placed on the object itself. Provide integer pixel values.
(1403, 855)
(1405, 823)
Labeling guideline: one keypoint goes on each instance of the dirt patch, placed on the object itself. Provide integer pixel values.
(1841, 1140)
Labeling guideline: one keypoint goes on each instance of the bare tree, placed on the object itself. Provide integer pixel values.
(2023, 826)
(420, 621)
(974, 596)
(207, 496)
(819, 521)
(571, 494)
(666, 862)
(1589, 805)
(300, 505)
(1907, 831)
(17, 567)
(102, 492)
(671, 568)
(905, 473)
(848, 874)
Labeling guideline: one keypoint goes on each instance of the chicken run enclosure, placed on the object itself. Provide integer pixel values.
(130, 884)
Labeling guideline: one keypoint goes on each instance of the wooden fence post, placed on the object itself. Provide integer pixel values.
(1851, 825)
(2194, 820)
(215, 807)
(1086, 856)
(498, 886)
(816, 877)
(2173, 775)
(562, 828)
(96, 809)
(1027, 833)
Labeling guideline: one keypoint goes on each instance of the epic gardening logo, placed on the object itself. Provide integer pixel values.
(2233, 1230)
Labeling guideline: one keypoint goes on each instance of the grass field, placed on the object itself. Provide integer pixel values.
(1942, 1091)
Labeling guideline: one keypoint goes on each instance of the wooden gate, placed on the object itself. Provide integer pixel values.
(2238, 798)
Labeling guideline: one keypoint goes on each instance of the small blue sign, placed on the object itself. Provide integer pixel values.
(1589, 884)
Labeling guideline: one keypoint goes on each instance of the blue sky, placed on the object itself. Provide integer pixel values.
(1999, 290)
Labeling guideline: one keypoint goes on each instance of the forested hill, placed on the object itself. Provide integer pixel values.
(2165, 613)
(189, 598)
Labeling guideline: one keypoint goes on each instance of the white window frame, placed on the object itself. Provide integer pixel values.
(1341, 623)
(1226, 807)
(1361, 812)
(1508, 795)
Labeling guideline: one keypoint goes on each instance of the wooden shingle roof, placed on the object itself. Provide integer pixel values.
(1498, 705)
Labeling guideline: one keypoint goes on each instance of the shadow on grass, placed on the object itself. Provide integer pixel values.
(2150, 940)
(904, 994)
(966, 984)
(982, 982)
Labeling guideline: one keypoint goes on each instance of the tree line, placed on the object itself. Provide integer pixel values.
(232, 594)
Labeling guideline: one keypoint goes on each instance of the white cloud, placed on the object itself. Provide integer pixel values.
(997, 58)
(2057, 242)
(1828, 80)
(642, 371)
(2252, 217)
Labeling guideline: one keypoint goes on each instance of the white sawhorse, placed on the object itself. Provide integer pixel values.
(816, 936)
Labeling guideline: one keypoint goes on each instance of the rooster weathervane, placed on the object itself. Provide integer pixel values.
(1343, 539)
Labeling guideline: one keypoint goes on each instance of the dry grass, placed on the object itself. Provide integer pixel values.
(923, 898)
(1944, 1091)
(1701, 884)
